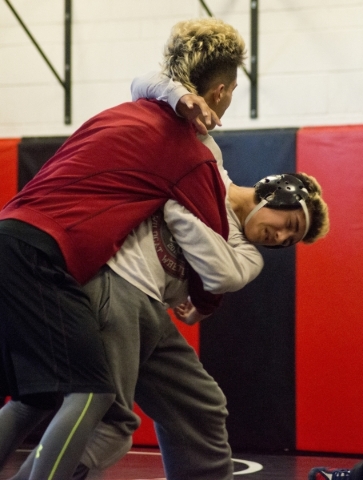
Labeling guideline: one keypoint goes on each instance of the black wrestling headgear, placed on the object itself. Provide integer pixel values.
(281, 191)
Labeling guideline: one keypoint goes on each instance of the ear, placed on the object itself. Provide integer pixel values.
(218, 92)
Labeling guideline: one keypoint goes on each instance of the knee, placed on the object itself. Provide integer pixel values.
(106, 446)
(217, 404)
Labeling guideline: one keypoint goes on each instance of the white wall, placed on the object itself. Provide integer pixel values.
(310, 60)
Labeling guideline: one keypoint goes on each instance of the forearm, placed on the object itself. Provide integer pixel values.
(159, 86)
(222, 267)
(190, 106)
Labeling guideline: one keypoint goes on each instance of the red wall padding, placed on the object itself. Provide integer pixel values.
(8, 169)
(329, 298)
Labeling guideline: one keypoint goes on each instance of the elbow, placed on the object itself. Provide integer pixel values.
(225, 284)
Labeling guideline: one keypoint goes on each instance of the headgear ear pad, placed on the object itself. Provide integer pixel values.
(282, 191)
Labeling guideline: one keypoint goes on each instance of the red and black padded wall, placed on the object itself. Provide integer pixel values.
(287, 349)
(248, 344)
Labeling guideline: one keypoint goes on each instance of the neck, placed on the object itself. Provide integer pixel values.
(241, 200)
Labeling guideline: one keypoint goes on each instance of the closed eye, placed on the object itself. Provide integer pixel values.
(287, 242)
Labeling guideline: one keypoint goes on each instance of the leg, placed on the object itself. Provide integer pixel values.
(51, 341)
(120, 306)
(133, 325)
(64, 440)
(17, 420)
(25, 470)
(188, 408)
(58, 452)
(107, 445)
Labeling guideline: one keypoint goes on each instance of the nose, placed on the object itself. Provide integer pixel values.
(282, 235)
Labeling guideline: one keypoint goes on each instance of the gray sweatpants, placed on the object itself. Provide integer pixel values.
(153, 364)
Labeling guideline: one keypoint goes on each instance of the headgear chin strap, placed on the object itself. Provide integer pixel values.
(255, 210)
(281, 192)
(307, 217)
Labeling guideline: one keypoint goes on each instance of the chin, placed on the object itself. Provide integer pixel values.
(250, 238)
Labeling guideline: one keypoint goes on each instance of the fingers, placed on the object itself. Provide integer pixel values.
(182, 310)
(199, 105)
(179, 312)
(195, 108)
(215, 119)
(200, 126)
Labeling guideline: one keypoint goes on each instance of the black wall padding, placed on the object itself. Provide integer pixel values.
(248, 344)
(33, 153)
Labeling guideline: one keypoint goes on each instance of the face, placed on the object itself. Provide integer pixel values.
(221, 104)
(271, 227)
(225, 98)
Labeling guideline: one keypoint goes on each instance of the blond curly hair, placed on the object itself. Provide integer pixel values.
(200, 50)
